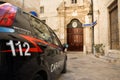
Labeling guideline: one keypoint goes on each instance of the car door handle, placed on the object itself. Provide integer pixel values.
(42, 45)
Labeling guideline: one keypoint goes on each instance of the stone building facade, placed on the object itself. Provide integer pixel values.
(49, 14)
(65, 12)
(107, 30)
(26, 5)
(66, 17)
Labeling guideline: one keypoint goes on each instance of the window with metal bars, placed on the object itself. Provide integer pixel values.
(73, 1)
(41, 9)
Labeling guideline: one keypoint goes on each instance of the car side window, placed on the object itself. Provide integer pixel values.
(41, 30)
(56, 41)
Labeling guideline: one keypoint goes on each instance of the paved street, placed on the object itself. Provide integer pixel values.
(87, 67)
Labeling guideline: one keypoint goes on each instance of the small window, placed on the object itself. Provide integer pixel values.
(41, 9)
(73, 1)
(1, 2)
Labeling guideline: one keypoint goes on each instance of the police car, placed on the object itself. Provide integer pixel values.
(29, 49)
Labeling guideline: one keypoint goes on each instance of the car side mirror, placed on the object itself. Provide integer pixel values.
(65, 46)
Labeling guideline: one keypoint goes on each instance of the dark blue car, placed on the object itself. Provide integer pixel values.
(29, 49)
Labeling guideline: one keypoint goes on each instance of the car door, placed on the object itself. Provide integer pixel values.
(49, 49)
(60, 55)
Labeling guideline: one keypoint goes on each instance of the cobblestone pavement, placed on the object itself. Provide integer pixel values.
(87, 67)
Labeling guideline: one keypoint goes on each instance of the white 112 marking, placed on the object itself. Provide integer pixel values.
(25, 44)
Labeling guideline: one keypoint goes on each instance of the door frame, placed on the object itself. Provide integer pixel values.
(79, 25)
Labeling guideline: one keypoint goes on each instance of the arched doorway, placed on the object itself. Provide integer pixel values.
(75, 35)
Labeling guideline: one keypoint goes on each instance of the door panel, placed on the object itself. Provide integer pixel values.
(75, 39)
(114, 30)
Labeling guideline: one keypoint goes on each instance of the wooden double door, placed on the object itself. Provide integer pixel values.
(75, 39)
(114, 28)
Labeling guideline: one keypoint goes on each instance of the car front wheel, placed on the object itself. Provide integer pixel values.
(65, 67)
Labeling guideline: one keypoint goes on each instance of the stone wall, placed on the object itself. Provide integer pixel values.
(26, 5)
(102, 29)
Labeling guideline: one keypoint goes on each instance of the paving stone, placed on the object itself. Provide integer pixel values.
(87, 67)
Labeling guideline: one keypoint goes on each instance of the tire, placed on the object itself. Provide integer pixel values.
(65, 67)
(37, 77)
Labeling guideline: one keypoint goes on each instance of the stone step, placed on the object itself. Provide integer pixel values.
(111, 57)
